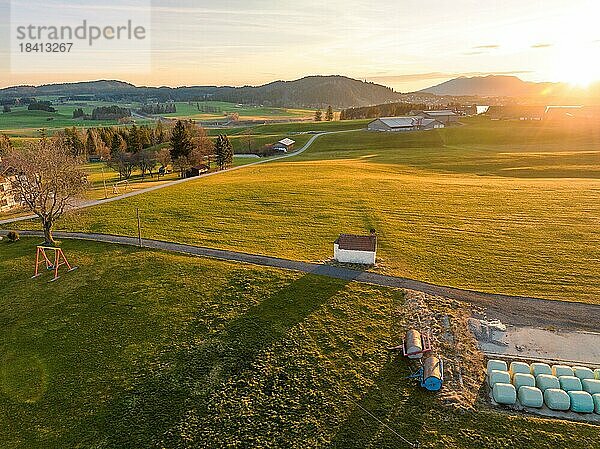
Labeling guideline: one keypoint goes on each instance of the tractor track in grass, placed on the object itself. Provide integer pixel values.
(516, 310)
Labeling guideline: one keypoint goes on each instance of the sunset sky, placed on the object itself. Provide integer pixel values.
(404, 44)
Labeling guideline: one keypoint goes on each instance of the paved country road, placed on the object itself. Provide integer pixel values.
(516, 310)
(179, 181)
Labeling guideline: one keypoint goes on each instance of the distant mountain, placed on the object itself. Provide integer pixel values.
(311, 91)
(490, 86)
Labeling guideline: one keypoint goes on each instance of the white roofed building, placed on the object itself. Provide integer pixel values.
(408, 123)
(284, 145)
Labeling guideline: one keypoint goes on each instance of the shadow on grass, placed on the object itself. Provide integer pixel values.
(155, 409)
(393, 400)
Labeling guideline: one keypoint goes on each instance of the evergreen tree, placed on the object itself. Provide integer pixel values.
(74, 141)
(318, 115)
(91, 142)
(329, 114)
(223, 152)
(181, 141)
(118, 145)
(134, 141)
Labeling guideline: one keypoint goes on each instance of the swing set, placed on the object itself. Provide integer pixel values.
(53, 258)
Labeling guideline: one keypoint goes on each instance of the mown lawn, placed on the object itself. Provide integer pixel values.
(140, 349)
(445, 214)
(189, 110)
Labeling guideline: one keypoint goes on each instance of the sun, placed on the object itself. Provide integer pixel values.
(577, 65)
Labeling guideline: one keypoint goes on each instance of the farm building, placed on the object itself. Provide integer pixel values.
(197, 171)
(284, 145)
(444, 116)
(396, 124)
(359, 249)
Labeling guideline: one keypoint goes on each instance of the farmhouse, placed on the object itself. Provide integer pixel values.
(444, 116)
(360, 249)
(284, 145)
(197, 171)
(396, 124)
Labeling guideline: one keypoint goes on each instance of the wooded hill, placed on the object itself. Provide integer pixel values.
(309, 92)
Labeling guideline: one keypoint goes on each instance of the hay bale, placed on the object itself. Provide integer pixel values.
(583, 373)
(557, 399)
(581, 402)
(540, 368)
(498, 365)
(505, 394)
(523, 380)
(519, 367)
(547, 381)
(531, 397)
(592, 386)
(498, 376)
(570, 383)
(562, 370)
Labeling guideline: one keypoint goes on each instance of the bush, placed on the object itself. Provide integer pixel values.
(12, 236)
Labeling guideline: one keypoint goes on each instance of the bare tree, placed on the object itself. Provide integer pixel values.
(47, 178)
(5, 145)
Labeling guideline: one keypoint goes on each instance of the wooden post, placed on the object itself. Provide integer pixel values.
(137, 211)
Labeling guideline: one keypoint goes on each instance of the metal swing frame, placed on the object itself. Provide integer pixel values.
(59, 260)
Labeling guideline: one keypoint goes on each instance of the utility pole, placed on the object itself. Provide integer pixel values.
(137, 211)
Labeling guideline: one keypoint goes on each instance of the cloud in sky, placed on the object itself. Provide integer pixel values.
(240, 42)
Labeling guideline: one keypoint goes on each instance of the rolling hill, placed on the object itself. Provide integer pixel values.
(311, 91)
(490, 86)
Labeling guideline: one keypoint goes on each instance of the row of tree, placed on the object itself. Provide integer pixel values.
(328, 115)
(381, 110)
(41, 106)
(158, 108)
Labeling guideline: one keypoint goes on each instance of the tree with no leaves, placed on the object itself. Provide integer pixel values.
(47, 178)
(5, 145)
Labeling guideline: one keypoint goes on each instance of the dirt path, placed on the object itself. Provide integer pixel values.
(516, 310)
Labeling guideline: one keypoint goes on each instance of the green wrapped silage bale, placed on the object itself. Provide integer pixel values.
(562, 370)
(570, 383)
(597, 374)
(581, 402)
(557, 399)
(596, 398)
(540, 368)
(523, 380)
(498, 365)
(583, 373)
(547, 381)
(504, 393)
(497, 376)
(519, 367)
(592, 386)
(531, 397)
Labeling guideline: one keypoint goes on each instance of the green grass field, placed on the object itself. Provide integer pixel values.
(246, 112)
(142, 349)
(446, 209)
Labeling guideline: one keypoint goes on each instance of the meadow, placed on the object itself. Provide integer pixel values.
(189, 110)
(141, 348)
(518, 217)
